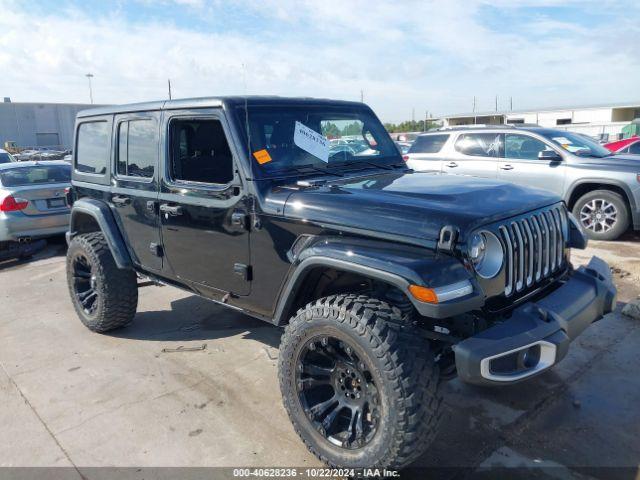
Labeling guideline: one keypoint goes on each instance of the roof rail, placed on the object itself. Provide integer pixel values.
(481, 126)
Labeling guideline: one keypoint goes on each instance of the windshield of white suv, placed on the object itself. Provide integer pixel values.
(577, 144)
(315, 139)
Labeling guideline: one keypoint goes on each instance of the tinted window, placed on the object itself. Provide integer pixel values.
(6, 158)
(123, 130)
(480, 144)
(137, 148)
(634, 148)
(428, 144)
(19, 176)
(522, 146)
(200, 152)
(93, 147)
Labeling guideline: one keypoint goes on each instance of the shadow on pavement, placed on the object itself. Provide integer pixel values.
(16, 255)
(195, 318)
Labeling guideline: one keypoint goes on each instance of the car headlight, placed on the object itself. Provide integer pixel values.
(486, 254)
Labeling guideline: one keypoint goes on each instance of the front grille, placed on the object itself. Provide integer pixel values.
(534, 248)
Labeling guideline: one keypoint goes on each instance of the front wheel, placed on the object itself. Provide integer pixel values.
(359, 385)
(104, 296)
(603, 214)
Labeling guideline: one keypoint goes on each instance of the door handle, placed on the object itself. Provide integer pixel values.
(174, 210)
(507, 167)
(451, 165)
(120, 200)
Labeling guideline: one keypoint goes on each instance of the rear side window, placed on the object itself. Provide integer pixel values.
(428, 144)
(634, 148)
(137, 148)
(480, 144)
(93, 147)
(22, 176)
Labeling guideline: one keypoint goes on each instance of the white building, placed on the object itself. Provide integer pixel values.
(603, 121)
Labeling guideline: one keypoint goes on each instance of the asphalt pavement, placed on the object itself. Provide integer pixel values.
(191, 384)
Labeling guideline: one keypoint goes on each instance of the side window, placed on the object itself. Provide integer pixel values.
(199, 152)
(523, 146)
(635, 148)
(137, 148)
(428, 144)
(92, 147)
(480, 144)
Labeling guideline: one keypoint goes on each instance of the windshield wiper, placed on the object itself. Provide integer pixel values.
(363, 165)
(302, 170)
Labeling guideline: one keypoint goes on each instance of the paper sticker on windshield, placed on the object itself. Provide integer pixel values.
(311, 141)
(262, 156)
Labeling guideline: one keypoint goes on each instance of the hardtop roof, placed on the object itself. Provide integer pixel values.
(211, 102)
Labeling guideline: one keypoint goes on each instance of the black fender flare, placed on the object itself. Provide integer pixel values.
(397, 265)
(103, 216)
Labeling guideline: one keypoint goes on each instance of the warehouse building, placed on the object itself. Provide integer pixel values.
(37, 125)
(603, 121)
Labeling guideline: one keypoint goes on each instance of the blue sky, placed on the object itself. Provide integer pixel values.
(427, 55)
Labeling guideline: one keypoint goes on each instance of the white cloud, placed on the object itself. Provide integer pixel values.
(433, 55)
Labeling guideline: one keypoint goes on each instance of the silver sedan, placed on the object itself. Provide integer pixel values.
(32, 199)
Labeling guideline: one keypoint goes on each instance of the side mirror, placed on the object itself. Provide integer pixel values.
(550, 156)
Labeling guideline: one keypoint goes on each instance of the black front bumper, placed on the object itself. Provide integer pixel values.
(538, 334)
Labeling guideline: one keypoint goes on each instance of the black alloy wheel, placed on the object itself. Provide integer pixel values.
(104, 296)
(85, 285)
(337, 392)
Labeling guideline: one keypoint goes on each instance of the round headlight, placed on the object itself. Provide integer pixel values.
(485, 252)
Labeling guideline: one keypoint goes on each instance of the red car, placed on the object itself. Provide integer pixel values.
(628, 145)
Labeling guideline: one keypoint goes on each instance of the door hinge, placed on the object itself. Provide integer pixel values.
(243, 270)
(240, 219)
(156, 249)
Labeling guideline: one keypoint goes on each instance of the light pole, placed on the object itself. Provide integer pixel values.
(90, 76)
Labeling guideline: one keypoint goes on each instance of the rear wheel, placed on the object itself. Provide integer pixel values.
(104, 296)
(603, 214)
(359, 385)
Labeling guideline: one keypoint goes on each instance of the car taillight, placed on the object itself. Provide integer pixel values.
(12, 204)
(68, 195)
(405, 158)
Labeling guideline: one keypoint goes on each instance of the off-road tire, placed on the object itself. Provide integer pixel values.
(117, 289)
(402, 360)
(622, 222)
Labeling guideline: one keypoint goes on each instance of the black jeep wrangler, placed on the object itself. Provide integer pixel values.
(302, 213)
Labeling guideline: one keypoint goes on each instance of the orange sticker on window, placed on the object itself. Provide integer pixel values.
(262, 156)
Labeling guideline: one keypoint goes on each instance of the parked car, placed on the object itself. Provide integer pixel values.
(388, 280)
(628, 145)
(601, 189)
(6, 157)
(41, 154)
(32, 200)
(403, 146)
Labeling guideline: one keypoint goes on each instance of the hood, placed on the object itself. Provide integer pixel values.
(621, 162)
(415, 204)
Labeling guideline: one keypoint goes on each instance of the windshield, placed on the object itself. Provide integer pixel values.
(318, 139)
(21, 176)
(6, 157)
(577, 144)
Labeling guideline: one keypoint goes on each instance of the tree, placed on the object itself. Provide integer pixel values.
(409, 126)
(330, 130)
